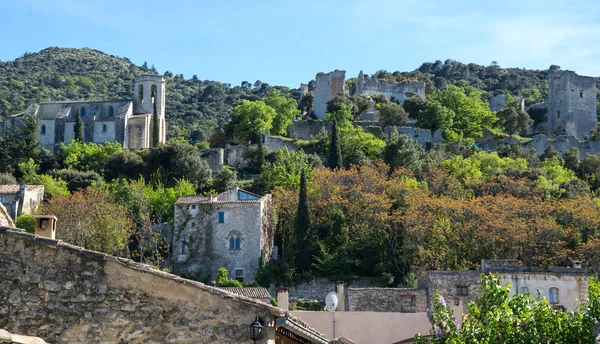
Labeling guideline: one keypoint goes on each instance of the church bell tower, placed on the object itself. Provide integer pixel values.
(149, 89)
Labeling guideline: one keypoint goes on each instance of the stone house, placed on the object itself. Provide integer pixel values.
(127, 121)
(393, 91)
(233, 230)
(21, 199)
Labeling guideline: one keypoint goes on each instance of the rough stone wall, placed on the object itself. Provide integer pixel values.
(446, 283)
(33, 195)
(65, 294)
(138, 132)
(102, 136)
(401, 300)
(233, 155)
(304, 130)
(393, 91)
(327, 85)
(275, 143)
(318, 288)
(422, 136)
(202, 243)
(540, 142)
(214, 157)
(571, 104)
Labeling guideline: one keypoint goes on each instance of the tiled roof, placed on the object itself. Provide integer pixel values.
(252, 292)
(192, 199)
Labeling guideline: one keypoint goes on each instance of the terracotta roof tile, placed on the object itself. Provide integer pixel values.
(252, 292)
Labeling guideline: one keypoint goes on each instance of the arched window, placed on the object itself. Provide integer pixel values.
(553, 296)
(523, 290)
(104, 128)
(111, 112)
(153, 93)
(82, 112)
(234, 240)
(43, 130)
(141, 93)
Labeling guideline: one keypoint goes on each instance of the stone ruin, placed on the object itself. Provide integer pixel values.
(327, 85)
(393, 91)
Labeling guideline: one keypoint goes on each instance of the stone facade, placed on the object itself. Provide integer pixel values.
(540, 142)
(305, 130)
(128, 122)
(422, 136)
(396, 92)
(327, 85)
(232, 230)
(21, 199)
(571, 104)
(400, 300)
(214, 157)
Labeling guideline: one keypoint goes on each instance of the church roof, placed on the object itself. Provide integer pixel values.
(94, 108)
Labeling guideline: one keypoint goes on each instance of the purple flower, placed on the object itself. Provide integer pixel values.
(441, 301)
(457, 324)
(438, 332)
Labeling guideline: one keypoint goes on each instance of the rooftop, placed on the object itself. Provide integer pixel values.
(251, 292)
(12, 189)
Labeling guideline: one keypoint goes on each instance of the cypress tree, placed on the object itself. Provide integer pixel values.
(78, 126)
(334, 156)
(155, 127)
(304, 240)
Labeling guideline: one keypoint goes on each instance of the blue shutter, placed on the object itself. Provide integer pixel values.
(237, 243)
(221, 217)
(231, 243)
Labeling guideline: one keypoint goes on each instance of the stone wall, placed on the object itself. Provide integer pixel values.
(540, 142)
(327, 85)
(66, 294)
(401, 300)
(571, 104)
(446, 283)
(422, 136)
(318, 288)
(214, 157)
(393, 91)
(304, 130)
(275, 143)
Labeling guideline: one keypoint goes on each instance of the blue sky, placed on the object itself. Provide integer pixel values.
(285, 42)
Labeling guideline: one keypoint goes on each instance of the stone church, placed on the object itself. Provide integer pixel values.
(126, 121)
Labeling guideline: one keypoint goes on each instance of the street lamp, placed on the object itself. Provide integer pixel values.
(255, 330)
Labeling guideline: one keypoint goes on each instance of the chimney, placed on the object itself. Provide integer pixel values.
(339, 289)
(45, 226)
(577, 264)
(283, 298)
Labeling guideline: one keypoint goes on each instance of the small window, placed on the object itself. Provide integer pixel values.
(390, 298)
(141, 94)
(82, 113)
(183, 249)
(193, 224)
(111, 112)
(221, 217)
(232, 243)
(393, 99)
(43, 130)
(103, 128)
(239, 275)
(580, 94)
(553, 299)
(558, 114)
(193, 207)
(523, 290)
(237, 243)
(462, 291)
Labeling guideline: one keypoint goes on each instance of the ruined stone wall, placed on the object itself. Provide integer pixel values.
(327, 85)
(233, 155)
(540, 142)
(571, 104)
(304, 130)
(214, 157)
(422, 136)
(393, 91)
(401, 300)
(318, 288)
(275, 143)
(65, 294)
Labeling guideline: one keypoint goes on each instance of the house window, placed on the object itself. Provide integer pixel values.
(221, 217)
(104, 128)
(558, 114)
(43, 129)
(239, 275)
(523, 290)
(232, 243)
(580, 94)
(462, 291)
(193, 207)
(193, 224)
(111, 112)
(235, 243)
(553, 299)
(183, 249)
(82, 113)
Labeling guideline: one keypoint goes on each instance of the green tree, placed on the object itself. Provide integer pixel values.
(512, 121)
(224, 281)
(572, 159)
(305, 240)
(155, 127)
(78, 127)
(252, 119)
(286, 110)
(334, 154)
(343, 115)
(26, 222)
(392, 114)
(224, 180)
(402, 151)
(413, 105)
(175, 161)
(497, 317)
(306, 103)
(285, 170)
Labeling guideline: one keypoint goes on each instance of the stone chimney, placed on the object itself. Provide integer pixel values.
(283, 298)
(339, 289)
(45, 226)
(577, 264)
